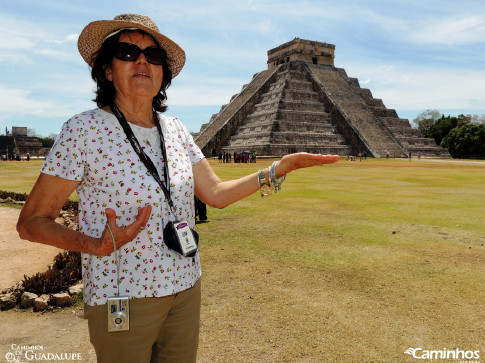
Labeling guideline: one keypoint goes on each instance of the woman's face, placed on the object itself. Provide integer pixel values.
(139, 78)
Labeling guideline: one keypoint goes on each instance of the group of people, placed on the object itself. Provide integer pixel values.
(361, 155)
(242, 157)
(15, 157)
(136, 172)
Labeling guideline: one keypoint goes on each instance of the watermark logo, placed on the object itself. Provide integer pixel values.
(455, 354)
(37, 353)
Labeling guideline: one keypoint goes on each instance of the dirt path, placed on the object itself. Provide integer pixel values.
(64, 331)
(19, 257)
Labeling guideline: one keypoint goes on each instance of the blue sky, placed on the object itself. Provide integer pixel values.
(414, 55)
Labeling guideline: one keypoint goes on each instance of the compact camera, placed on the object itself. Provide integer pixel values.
(118, 314)
(179, 237)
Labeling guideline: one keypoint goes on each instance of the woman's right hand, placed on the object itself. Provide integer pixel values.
(104, 244)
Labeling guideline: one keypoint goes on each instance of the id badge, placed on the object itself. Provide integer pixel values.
(185, 237)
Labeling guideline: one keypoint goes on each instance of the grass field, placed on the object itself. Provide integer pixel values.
(352, 262)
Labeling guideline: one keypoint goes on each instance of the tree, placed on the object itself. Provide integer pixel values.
(467, 141)
(444, 125)
(425, 119)
(48, 141)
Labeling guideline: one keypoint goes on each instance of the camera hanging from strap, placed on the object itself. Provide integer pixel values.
(177, 235)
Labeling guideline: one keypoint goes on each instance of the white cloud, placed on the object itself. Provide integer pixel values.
(19, 101)
(205, 91)
(411, 88)
(15, 42)
(458, 29)
(71, 38)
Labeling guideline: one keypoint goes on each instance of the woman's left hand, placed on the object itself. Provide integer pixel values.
(291, 162)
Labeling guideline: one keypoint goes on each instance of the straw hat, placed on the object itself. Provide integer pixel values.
(95, 33)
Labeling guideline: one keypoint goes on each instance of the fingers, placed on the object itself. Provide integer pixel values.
(104, 244)
(133, 229)
(144, 215)
(330, 159)
(304, 160)
(111, 216)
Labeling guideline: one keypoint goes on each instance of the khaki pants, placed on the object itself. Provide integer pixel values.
(164, 329)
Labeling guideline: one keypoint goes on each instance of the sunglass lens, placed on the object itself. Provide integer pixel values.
(155, 56)
(130, 53)
(127, 52)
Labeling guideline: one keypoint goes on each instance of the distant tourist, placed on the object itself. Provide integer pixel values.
(200, 210)
(136, 190)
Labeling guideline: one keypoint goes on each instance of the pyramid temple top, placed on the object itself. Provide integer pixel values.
(302, 50)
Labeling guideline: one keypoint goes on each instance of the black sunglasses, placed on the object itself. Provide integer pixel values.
(130, 52)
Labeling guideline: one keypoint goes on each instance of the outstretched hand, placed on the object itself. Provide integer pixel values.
(104, 244)
(296, 161)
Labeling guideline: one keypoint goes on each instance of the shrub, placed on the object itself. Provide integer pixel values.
(466, 142)
(70, 205)
(65, 271)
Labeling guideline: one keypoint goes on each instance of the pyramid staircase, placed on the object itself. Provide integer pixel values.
(297, 106)
(288, 117)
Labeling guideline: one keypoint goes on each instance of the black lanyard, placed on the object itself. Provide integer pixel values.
(143, 157)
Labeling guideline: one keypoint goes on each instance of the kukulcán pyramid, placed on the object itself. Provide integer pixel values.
(302, 102)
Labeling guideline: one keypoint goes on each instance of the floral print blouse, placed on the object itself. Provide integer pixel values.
(92, 148)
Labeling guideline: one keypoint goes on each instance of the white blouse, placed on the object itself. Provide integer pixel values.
(92, 148)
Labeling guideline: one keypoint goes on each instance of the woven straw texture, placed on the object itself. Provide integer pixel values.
(94, 33)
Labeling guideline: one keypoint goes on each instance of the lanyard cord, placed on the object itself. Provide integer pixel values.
(143, 157)
(116, 257)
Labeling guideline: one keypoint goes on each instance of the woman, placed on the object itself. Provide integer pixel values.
(132, 179)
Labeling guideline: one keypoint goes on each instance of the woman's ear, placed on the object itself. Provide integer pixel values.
(108, 73)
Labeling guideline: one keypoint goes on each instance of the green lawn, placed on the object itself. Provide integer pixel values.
(356, 261)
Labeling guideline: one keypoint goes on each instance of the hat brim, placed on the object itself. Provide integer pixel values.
(94, 34)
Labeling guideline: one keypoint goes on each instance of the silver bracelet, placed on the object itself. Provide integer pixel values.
(263, 186)
(274, 181)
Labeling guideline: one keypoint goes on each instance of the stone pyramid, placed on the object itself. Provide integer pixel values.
(302, 102)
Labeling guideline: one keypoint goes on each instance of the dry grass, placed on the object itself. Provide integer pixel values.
(354, 262)
(351, 262)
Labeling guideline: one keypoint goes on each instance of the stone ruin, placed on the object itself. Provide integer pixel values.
(18, 143)
(302, 102)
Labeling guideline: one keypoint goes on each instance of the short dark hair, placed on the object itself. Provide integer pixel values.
(105, 91)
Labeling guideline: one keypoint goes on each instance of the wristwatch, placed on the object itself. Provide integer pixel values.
(264, 187)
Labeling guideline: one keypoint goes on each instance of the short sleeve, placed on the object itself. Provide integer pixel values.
(66, 158)
(194, 153)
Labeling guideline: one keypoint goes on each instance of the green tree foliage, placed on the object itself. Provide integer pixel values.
(442, 127)
(467, 141)
(47, 141)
